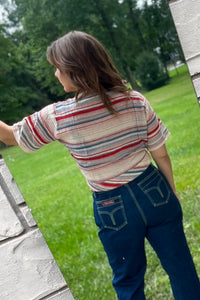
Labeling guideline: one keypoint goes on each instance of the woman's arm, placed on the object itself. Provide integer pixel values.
(6, 134)
(162, 160)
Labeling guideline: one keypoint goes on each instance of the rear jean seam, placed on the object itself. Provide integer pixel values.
(137, 204)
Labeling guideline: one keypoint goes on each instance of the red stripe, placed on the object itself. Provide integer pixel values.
(35, 131)
(155, 129)
(108, 154)
(88, 110)
(110, 184)
(73, 114)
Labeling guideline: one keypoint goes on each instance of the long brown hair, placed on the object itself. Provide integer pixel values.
(84, 59)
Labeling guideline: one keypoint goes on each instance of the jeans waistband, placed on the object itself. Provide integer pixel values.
(148, 171)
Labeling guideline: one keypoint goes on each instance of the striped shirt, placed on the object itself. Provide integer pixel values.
(110, 150)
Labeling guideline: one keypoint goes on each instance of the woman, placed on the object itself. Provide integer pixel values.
(112, 133)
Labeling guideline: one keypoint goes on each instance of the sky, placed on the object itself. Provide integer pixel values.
(1, 12)
(140, 2)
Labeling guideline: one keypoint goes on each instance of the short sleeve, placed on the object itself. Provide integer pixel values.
(157, 133)
(36, 130)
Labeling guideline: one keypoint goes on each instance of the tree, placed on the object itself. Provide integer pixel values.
(133, 15)
(19, 93)
(124, 29)
(149, 71)
(100, 19)
(111, 13)
(164, 41)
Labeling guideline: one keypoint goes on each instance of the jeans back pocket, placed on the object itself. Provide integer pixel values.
(156, 188)
(112, 213)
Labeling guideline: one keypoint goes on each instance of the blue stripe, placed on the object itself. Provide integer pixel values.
(67, 124)
(28, 144)
(127, 134)
(43, 129)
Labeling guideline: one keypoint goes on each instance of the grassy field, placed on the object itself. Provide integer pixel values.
(62, 204)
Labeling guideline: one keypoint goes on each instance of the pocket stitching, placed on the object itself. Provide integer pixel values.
(146, 191)
(120, 207)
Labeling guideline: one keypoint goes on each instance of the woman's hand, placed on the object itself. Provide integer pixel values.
(6, 134)
(162, 160)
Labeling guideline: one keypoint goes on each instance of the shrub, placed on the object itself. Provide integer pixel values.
(149, 71)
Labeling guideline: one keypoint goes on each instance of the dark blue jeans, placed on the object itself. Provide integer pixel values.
(145, 208)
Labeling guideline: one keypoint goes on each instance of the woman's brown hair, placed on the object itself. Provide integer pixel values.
(85, 60)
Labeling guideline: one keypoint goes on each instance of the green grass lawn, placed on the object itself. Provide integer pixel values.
(61, 202)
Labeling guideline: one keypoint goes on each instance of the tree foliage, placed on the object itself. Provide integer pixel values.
(149, 71)
(19, 91)
(27, 81)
